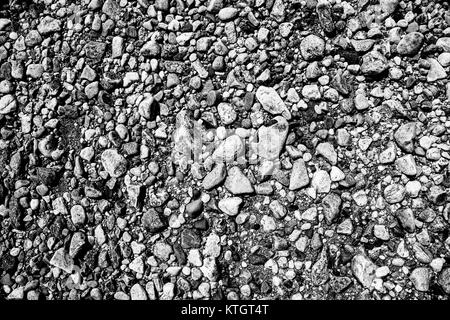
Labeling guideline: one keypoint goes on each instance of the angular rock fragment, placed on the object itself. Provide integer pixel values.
(271, 102)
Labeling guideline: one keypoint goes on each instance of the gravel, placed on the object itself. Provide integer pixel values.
(224, 150)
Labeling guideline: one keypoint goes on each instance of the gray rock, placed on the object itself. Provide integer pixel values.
(152, 221)
(77, 244)
(312, 47)
(437, 195)
(381, 232)
(404, 136)
(410, 44)
(194, 208)
(374, 63)
(62, 260)
(389, 6)
(137, 292)
(151, 49)
(299, 175)
(271, 139)
(436, 71)
(326, 150)
(114, 163)
(48, 25)
(394, 193)
(420, 277)
(148, 108)
(388, 155)
(227, 13)
(277, 209)
(78, 215)
(212, 246)
(8, 104)
(35, 70)
(331, 204)
(406, 219)
(229, 150)
(230, 206)
(215, 177)
(95, 50)
(407, 165)
(237, 182)
(162, 5)
(444, 280)
(117, 47)
(226, 113)
(162, 250)
(363, 269)
(321, 181)
(271, 102)
(444, 43)
(112, 9)
(311, 92)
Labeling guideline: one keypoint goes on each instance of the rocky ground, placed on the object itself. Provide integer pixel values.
(221, 149)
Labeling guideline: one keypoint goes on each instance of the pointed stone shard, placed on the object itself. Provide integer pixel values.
(215, 177)
(331, 207)
(237, 182)
(326, 150)
(114, 163)
(62, 260)
(230, 206)
(363, 269)
(271, 102)
(271, 139)
(229, 150)
(299, 175)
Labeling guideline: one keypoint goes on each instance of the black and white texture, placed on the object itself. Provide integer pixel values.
(222, 149)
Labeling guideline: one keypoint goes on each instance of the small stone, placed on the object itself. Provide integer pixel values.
(388, 155)
(331, 207)
(271, 102)
(78, 215)
(215, 177)
(230, 206)
(311, 92)
(48, 25)
(62, 260)
(405, 135)
(277, 209)
(114, 163)
(162, 250)
(407, 165)
(374, 63)
(151, 49)
(312, 47)
(326, 150)
(436, 71)
(406, 219)
(229, 149)
(321, 181)
(410, 44)
(237, 183)
(363, 269)
(152, 221)
(194, 208)
(444, 280)
(271, 139)
(420, 277)
(299, 175)
(137, 292)
(227, 113)
(227, 13)
(381, 232)
(8, 104)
